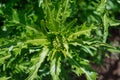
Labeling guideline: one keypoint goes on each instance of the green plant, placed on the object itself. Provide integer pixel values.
(48, 41)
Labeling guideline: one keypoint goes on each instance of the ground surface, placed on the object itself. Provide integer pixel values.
(110, 70)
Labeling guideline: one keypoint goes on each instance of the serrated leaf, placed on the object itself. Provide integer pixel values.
(81, 70)
(114, 22)
(83, 31)
(50, 17)
(37, 42)
(114, 50)
(15, 16)
(55, 67)
(3, 58)
(5, 78)
(40, 2)
(106, 26)
(43, 27)
(89, 75)
(87, 50)
(34, 69)
(33, 29)
(101, 7)
(70, 25)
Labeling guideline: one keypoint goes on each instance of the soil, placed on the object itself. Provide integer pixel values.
(110, 70)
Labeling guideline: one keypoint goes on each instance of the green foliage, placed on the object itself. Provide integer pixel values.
(49, 39)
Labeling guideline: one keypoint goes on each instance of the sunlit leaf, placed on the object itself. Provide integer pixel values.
(4, 78)
(55, 68)
(40, 2)
(15, 16)
(34, 69)
(106, 26)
